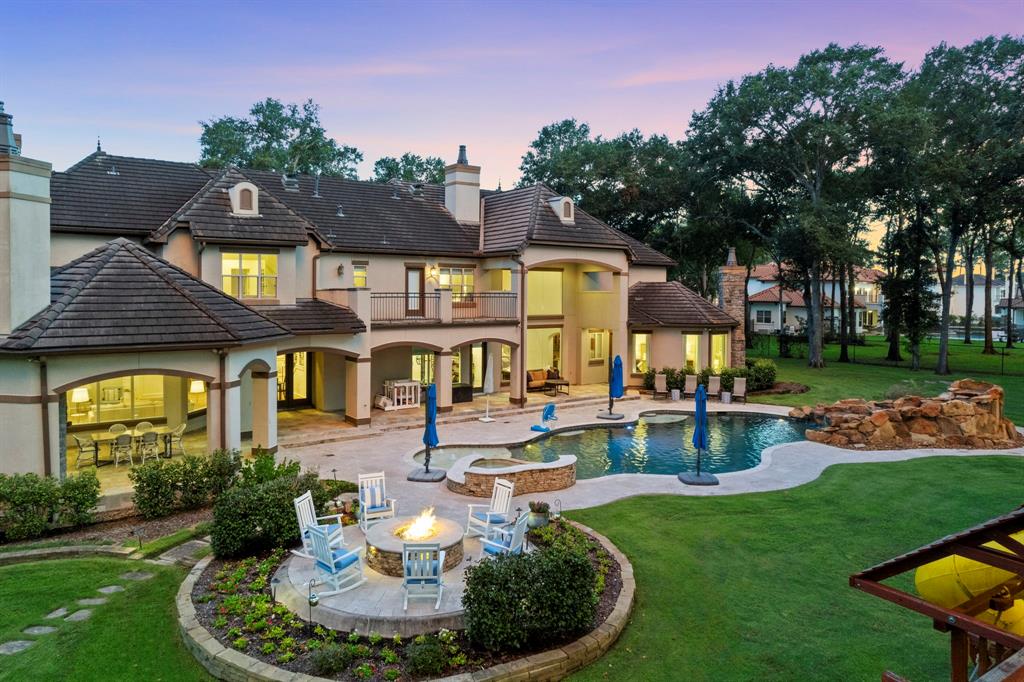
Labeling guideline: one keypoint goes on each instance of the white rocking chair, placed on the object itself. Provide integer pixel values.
(374, 504)
(423, 565)
(483, 517)
(506, 540)
(341, 569)
(305, 514)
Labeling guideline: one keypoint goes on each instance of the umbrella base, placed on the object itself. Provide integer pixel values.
(610, 415)
(486, 420)
(418, 475)
(703, 478)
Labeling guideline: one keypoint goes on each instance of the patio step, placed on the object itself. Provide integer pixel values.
(498, 412)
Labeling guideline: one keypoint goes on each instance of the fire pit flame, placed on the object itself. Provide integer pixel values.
(421, 528)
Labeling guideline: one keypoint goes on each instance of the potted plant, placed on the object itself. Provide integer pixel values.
(538, 514)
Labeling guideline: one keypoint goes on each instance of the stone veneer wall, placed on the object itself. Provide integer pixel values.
(732, 287)
(968, 415)
(539, 480)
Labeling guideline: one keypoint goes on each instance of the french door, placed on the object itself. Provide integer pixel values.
(414, 285)
(294, 380)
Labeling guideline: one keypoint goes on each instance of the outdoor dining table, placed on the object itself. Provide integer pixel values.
(101, 437)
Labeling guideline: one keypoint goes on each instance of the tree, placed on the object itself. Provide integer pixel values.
(409, 168)
(909, 300)
(287, 138)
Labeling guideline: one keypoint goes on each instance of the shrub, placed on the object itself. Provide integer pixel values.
(263, 468)
(78, 497)
(761, 374)
(330, 659)
(222, 470)
(515, 601)
(426, 655)
(249, 518)
(191, 476)
(155, 489)
(27, 502)
(649, 379)
(539, 507)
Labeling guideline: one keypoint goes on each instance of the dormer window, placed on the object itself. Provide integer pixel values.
(564, 209)
(245, 199)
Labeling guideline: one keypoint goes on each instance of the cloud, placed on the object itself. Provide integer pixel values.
(694, 69)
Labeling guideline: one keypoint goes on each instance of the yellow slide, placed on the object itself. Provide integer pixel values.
(953, 580)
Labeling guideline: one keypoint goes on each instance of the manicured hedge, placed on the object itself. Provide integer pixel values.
(161, 487)
(760, 375)
(30, 504)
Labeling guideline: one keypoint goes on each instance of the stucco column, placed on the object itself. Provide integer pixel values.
(515, 391)
(264, 410)
(443, 379)
(233, 416)
(212, 416)
(620, 332)
(445, 305)
(705, 349)
(358, 391)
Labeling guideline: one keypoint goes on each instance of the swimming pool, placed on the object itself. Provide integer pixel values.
(655, 444)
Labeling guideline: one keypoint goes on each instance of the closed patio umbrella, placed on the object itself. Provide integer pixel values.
(700, 440)
(616, 389)
(430, 440)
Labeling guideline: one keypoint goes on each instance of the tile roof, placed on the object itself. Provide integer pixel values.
(670, 304)
(122, 297)
(979, 280)
(209, 217)
(792, 298)
(90, 197)
(769, 272)
(1018, 302)
(315, 316)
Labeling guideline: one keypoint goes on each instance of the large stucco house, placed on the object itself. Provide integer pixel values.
(143, 290)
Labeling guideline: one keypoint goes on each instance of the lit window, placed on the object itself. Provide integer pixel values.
(117, 400)
(422, 366)
(719, 351)
(691, 351)
(506, 364)
(249, 275)
(459, 280)
(359, 275)
(763, 316)
(457, 367)
(641, 352)
(595, 343)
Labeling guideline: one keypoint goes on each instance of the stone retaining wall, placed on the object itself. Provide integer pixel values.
(480, 483)
(556, 664)
(968, 415)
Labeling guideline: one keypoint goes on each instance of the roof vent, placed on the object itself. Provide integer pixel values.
(339, 213)
(395, 194)
(113, 170)
(316, 186)
(416, 189)
(290, 182)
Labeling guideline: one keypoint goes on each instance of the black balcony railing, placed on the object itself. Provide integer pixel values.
(485, 306)
(402, 307)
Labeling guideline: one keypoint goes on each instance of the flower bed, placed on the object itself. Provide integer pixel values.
(233, 600)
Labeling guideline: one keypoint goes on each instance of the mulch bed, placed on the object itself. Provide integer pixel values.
(782, 388)
(118, 531)
(237, 581)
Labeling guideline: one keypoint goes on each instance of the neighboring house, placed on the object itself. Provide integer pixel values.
(216, 297)
(765, 311)
(958, 295)
(1017, 311)
(868, 296)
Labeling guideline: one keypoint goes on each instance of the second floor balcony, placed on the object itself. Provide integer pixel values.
(442, 307)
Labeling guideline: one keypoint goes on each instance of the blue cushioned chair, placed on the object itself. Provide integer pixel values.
(484, 517)
(305, 514)
(374, 503)
(506, 540)
(423, 565)
(341, 569)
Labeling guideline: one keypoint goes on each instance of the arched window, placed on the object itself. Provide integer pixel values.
(567, 209)
(245, 200)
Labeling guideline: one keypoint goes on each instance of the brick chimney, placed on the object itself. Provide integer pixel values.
(462, 189)
(24, 231)
(732, 283)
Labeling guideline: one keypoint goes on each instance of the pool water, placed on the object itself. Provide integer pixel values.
(655, 444)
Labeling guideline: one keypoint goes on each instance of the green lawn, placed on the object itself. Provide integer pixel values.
(132, 637)
(755, 586)
(843, 380)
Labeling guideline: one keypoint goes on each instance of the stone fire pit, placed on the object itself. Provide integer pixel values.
(384, 546)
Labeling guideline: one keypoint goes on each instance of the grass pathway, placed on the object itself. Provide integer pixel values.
(754, 586)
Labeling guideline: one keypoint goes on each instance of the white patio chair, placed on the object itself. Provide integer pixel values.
(714, 386)
(423, 566)
(506, 540)
(305, 514)
(690, 385)
(484, 517)
(341, 569)
(739, 389)
(87, 449)
(143, 427)
(177, 437)
(117, 429)
(374, 503)
(660, 385)
(123, 447)
(149, 446)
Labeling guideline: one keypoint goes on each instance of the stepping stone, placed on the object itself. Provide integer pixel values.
(136, 576)
(39, 630)
(79, 615)
(111, 589)
(14, 646)
(59, 613)
(92, 601)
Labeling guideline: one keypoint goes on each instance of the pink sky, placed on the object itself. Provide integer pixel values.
(421, 77)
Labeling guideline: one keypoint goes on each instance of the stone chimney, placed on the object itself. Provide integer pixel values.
(462, 189)
(24, 231)
(732, 283)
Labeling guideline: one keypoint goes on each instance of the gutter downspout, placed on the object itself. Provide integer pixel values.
(522, 326)
(199, 260)
(223, 399)
(44, 396)
(316, 264)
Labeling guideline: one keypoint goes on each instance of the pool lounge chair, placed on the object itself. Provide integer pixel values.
(660, 386)
(714, 387)
(739, 389)
(690, 386)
